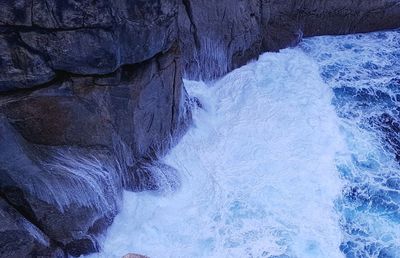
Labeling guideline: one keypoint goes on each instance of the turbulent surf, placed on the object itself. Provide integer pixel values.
(293, 155)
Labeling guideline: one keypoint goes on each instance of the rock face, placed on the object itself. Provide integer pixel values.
(68, 149)
(70, 195)
(91, 94)
(39, 38)
(227, 35)
(20, 238)
(218, 36)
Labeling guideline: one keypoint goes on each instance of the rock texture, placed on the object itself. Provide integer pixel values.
(226, 36)
(68, 149)
(39, 38)
(91, 91)
(20, 238)
(91, 94)
(70, 195)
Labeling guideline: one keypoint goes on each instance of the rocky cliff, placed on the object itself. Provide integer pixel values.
(218, 36)
(91, 93)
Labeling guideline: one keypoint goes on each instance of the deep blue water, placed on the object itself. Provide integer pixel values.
(364, 73)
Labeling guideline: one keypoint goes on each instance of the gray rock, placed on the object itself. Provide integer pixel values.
(20, 238)
(218, 36)
(71, 194)
(72, 14)
(81, 37)
(82, 51)
(16, 13)
(142, 105)
(20, 67)
(287, 23)
(81, 141)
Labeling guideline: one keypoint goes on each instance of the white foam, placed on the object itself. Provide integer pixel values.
(258, 171)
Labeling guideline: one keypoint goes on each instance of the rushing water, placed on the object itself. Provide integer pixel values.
(295, 155)
(364, 73)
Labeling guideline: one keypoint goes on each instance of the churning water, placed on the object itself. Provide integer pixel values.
(295, 155)
(364, 73)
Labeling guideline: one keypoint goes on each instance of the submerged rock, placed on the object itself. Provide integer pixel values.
(130, 255)
(155, 176)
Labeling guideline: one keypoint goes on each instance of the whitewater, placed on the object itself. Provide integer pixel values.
(281, 161)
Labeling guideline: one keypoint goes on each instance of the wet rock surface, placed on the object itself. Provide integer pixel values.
(69, 149)
(69, 194)
(20, 238)
(91, 94)
(227, 35)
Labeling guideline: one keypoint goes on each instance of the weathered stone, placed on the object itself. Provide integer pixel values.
(218, 36)
(96, 38)
(16, 13)
(107, 129)
(45, 184)
(83, 51)
(20, 238)
(59, 120)
(71, 14)
(288, 22)
(81, 37)
(20, 67)
(144, 106)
